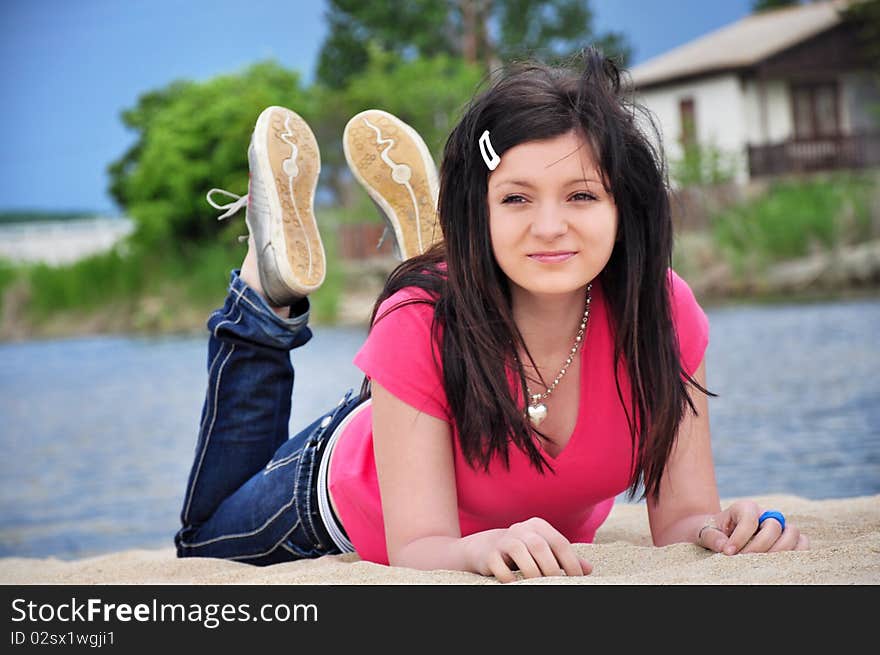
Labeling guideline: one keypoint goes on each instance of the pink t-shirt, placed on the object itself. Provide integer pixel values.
(590, 471)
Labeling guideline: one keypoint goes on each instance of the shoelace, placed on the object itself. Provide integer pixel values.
(231, 207)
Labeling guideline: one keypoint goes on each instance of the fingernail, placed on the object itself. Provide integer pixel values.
(730, 550)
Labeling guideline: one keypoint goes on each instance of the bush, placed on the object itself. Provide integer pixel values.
(796, 218)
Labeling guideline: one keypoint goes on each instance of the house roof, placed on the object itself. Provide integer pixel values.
(741, 44)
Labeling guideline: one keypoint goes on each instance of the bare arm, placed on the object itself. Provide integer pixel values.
(416, 472)
(688, 491)
(689, 509)
(414, 463)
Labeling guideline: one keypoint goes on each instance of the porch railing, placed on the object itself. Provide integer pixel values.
(804, 155)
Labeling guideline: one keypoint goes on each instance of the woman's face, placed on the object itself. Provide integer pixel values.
(551, 222)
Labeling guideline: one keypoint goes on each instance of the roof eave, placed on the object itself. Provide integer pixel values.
(691, 77)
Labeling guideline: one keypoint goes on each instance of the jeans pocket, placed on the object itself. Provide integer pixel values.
(299, 544)
(306, 492)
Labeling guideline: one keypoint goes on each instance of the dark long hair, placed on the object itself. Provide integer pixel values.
(471, 296)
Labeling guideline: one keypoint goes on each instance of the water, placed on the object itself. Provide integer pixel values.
(99, 433)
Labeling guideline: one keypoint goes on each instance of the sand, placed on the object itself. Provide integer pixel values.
(844, 535)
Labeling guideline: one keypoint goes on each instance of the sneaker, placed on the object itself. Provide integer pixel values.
(284, 164)
(393, 164)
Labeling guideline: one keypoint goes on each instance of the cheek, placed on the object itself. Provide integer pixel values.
(604, 230)
(500, 237)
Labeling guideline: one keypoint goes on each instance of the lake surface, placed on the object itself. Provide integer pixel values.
(99, 433)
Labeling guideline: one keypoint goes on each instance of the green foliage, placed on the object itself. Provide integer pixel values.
(411, 29)
(426, 93)
(23, 216)
(325, 301)
(406, 28)
(361, 210)
(87, 283)
(795, 218)
(192, 136)
(150, 288)
(866, 14)
(552, 31)
(764, 5)
(703, 165)
(8, 275)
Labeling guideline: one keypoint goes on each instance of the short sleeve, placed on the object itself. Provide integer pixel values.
(399, 354)
(690, 321)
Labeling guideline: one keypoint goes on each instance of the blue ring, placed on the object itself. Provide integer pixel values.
(772, 514)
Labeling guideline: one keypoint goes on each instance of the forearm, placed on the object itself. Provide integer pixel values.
(685, 530)
(446, 553)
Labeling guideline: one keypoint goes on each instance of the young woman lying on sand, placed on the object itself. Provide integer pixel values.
(532, 357)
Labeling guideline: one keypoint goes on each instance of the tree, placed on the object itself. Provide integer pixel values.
(553, 31)
(484, 32)
(406, 28)
(866, 14)
(425, 92)
(764, 5)
(192, 136)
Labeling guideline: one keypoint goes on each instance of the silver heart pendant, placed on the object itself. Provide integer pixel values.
(537, 413)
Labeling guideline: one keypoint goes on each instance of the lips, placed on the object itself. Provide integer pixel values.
(552, 257)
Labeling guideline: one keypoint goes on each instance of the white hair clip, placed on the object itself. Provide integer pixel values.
(489, 155)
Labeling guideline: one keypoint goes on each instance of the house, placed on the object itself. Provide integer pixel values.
(785, 90)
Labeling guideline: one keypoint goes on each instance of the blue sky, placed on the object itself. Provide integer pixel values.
(69, 67)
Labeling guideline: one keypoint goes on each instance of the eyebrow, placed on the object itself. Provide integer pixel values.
(526, 183)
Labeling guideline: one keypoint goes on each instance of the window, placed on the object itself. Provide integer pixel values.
(688, 121)
(815, 110)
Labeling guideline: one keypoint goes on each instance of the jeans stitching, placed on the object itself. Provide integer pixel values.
(207, 436)
(252, 533)
(289, 549)
(279, 463)
(259, 309)
(307, 498)
(234, 306)
(217, 356)
(322, 431)
(214, 413)
(272, 549)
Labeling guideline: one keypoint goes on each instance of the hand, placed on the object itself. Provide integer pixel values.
(735, 530)
(535, 547)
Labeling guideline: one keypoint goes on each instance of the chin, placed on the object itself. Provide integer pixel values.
(553, 285)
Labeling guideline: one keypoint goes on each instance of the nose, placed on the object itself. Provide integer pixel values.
(548, 222)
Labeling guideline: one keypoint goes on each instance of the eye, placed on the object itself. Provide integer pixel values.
(582, 195)
(512, 199)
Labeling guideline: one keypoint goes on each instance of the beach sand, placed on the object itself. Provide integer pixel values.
(844, 535)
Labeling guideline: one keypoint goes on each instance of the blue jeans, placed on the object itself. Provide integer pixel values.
(251, 494)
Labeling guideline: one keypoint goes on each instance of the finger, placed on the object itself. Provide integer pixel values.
(767, 536)
(498, 568)
(586, 567)
(563, 551)
(568, 558)
(523, 559)
(714, 539)
(543, 555)
(788, 539)
(803, 543)
(746, 526)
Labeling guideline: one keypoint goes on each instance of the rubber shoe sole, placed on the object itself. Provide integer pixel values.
(393, 164)
(284, 164)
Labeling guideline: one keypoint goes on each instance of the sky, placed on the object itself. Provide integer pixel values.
(70, 67)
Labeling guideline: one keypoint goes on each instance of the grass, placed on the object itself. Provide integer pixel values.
(146, 289)
(796, 218)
